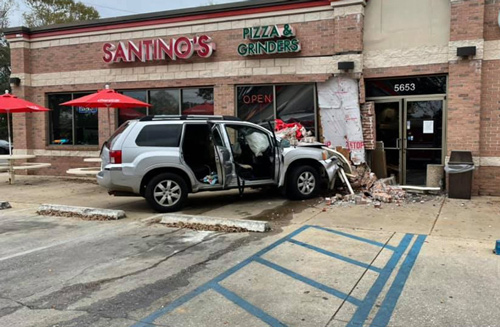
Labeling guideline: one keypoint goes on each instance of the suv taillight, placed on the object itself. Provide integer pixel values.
(115, 157)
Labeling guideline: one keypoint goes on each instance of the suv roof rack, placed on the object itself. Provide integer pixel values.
(188, 117)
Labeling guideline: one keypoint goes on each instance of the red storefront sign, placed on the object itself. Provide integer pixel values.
(158, 49)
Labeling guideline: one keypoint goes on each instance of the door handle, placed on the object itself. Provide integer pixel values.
(398, 143)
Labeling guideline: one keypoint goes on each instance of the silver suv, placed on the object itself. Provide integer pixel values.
(163, 158)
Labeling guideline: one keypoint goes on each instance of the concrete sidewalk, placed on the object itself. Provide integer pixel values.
(418, 264)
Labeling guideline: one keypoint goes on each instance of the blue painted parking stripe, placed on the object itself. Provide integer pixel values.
(362, 312)
(180, 301)
(310, 282)
(364, 307)
(337, 256)
(391, 299)
(357, 238)
(253, 310)
(148, 321)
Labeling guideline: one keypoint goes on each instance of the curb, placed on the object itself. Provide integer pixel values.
(152, 219)
(5, 205)
(84, 212)
(249, 225)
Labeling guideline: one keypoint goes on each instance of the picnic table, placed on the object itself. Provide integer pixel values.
(92, 160)
(87, 171)
(11, 168)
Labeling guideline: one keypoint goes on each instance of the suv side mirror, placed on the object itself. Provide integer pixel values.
(284, 144)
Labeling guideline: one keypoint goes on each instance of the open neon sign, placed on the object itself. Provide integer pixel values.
(158, 49)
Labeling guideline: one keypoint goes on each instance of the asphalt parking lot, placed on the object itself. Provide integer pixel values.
(421, 264)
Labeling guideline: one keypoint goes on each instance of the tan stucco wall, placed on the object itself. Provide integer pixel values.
(403, 24)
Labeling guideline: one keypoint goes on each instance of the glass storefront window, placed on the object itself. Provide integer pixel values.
(294, 103)
(198, 101)
(86, 124)
(3, 127)
(61, 118)
(125, 114)
(72, 125)
(164, 102)
(424, 85)
(188, 101)
(256, 103)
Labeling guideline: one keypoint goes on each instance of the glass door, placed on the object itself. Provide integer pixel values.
(423, 138)
(388, 130)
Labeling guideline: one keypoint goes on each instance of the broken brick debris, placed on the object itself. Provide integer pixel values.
(369, 190)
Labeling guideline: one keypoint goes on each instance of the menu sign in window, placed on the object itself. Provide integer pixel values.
(269, 40)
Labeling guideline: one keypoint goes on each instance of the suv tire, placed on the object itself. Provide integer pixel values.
(166, 192)
(303, 183)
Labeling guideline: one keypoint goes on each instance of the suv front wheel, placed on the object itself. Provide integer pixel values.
(166, 192)
(303, 183)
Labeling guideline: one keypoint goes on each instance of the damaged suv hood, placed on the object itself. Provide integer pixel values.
(315, 151)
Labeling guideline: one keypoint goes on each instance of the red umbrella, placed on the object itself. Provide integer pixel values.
(106, 98)
(200, 109)
(10, 104)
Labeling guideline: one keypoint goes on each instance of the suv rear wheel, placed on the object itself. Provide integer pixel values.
(303, 183)
(166, 192)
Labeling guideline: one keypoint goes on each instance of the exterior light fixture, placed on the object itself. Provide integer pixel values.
(346, 65)
(15, 81)
(466, 51)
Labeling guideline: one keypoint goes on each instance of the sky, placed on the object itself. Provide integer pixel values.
(113, 8)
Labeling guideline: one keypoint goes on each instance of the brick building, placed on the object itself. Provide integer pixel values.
(416, 93)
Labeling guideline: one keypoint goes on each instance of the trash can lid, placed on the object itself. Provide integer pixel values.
(461, 157)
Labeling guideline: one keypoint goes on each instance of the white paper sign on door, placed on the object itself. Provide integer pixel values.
(428, 126)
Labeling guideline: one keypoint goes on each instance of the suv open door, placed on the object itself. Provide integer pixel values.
(225, 166)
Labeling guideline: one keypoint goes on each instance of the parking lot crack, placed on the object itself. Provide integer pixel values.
(437, 216)
(135, 255)
(146, 295)
(359, 280)
(64, 297)
(17, 305)
(15, 301)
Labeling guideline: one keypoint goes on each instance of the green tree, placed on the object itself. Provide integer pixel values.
(49, 12)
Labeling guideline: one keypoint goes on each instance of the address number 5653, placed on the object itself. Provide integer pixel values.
(405, 87)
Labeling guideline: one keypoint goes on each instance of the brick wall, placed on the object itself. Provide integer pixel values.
(88, 56)
(22, 123)
(406, 71)
(368, 123)
(491, 29)
(487, 181)
(348, 36)
(224, 99)
(467, 19)
(489, 177)
(490, 111)
(20, 59)
(464, 106)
